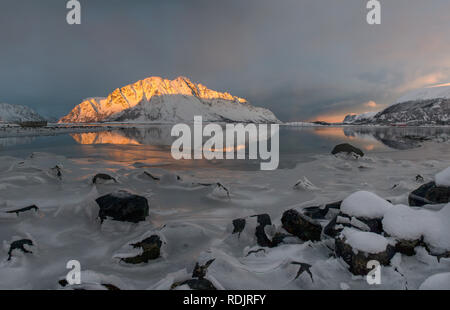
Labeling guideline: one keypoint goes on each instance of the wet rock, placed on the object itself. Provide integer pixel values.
(17, 211)
(301, 226)
(357, 260)
(238, 226)
(429, 193)
(20, 245)
(101, 178)
(347, 148)
(151, 249)
(322, 212)
(123, 206)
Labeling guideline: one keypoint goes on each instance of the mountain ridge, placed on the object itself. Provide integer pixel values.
(155, 99)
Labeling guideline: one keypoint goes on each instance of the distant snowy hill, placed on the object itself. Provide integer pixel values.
(427, 106)
(10, 113)
(160, 100)
(359, 118)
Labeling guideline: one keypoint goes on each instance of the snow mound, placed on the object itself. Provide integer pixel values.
(365, 204)
(365, 241)
(443, 178)
(440, 281)
(406, 223)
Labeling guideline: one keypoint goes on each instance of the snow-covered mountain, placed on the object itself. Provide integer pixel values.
(427, 106)
(359, 118)
(10, 113)
(160, 100)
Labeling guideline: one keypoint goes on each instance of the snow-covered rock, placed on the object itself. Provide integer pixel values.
(365, 241)
(160, 100)
(443, 178)
(10, 113)
(405, 223)
(366, 205)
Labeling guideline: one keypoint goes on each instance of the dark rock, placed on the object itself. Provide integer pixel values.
(111, 287)
(331, 229)
(429, 193)
(419, 178)
(198, 281)
(238, 226)
(321, 212)
(407, 247)
(102, 177)
(123, 206)
(337, 224)
(196, 284)
(19, 245)
(346, 148)
(301, 226)
(357, 260)
(278, 238)
(200, 270)
(151, 249)
(33, 207)
(261, 237)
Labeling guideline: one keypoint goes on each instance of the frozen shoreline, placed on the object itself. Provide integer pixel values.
(197, 221)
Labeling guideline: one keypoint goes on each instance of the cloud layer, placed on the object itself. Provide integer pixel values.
(302, 59)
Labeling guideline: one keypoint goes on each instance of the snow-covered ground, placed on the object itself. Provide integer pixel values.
(195, 221)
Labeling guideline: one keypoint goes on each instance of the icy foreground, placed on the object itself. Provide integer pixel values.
(10, 113)
(159, 100)
(191, 214)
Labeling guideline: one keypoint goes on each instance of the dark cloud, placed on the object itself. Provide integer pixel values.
(300, 58)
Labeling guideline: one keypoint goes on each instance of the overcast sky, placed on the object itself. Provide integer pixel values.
(303, 59)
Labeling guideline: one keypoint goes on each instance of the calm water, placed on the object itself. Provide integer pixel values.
(151, 144)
